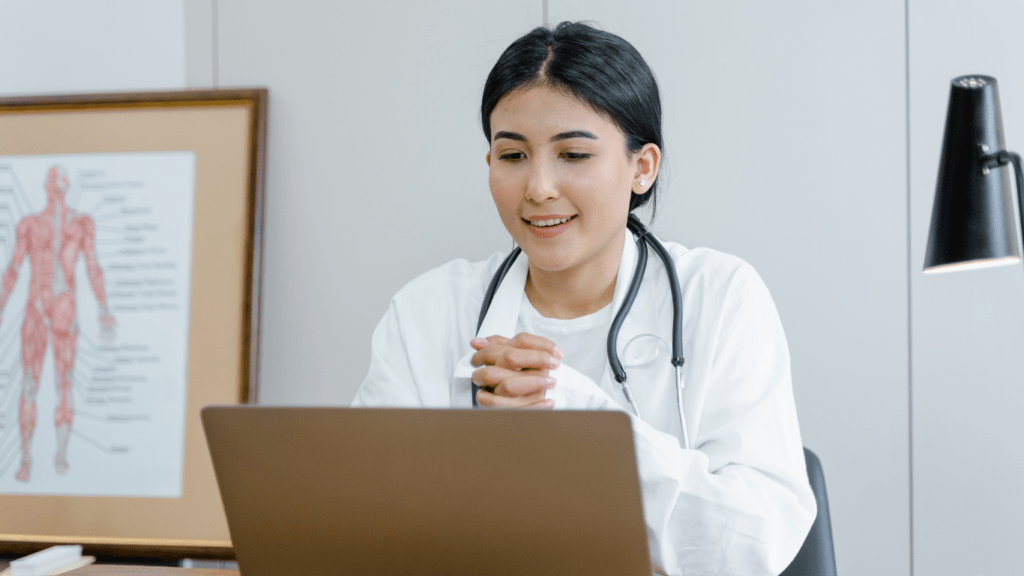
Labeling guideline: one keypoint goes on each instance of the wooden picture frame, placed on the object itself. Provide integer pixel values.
(226, 131)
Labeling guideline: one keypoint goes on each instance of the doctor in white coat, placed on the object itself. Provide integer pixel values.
(573, 119)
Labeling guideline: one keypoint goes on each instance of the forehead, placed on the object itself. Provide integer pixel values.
(542, 111)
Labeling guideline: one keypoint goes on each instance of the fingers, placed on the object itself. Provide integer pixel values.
(524, 352)
(521, 340)
(514, 358)
(503, 382)
(530, 402)
(524, 340)
(478, 343)
(514, 371)
(501, 388)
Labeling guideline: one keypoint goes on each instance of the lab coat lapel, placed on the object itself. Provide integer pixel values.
(503, 314)
(501, 320)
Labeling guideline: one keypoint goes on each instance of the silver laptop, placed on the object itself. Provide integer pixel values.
(354, 491)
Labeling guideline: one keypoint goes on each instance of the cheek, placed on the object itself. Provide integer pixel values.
(503, 192)
(603, 188)
(494, 180)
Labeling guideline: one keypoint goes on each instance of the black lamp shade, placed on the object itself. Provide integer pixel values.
(972, 217)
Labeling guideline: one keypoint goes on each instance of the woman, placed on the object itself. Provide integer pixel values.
(573, 118)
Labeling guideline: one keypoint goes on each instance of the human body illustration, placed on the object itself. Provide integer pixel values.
(53, 240)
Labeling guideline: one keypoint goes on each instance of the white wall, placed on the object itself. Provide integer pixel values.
(787, 141)
(53, 46)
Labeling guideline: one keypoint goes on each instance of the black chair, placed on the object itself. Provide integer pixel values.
(817, 556)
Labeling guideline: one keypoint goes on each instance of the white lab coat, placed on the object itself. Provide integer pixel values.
(739, 502)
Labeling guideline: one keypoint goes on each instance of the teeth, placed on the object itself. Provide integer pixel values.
(546, 223)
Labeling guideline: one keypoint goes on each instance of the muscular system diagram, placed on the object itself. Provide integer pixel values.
(90, 405)
(53, 240)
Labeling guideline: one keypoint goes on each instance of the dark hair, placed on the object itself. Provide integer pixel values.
(598, 68)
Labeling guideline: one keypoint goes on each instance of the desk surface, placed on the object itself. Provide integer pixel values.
(118, 570)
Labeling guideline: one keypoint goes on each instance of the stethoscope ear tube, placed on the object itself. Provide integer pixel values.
(627, 303)
(644, 238)
(677, 297)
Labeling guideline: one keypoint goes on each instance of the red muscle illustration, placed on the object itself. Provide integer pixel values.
(53, 241)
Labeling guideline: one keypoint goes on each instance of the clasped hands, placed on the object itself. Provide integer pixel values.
(513, 372)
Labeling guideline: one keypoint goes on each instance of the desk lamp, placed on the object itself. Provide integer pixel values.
(972, 217)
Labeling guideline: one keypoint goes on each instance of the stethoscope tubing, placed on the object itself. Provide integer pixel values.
(673, 282)
(627, 304)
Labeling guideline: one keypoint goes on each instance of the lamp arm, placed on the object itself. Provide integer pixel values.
(1015, 158)
(1002, 158)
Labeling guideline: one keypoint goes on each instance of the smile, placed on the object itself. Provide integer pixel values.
(549, 223)
(550, 228)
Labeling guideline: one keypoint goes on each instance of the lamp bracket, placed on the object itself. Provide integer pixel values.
(993, 160)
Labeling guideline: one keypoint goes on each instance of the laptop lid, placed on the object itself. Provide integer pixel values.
(421, 492)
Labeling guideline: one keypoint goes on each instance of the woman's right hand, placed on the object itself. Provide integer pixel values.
(514, 373)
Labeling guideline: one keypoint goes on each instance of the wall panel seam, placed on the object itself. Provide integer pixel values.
(216, 36)
(910, 325)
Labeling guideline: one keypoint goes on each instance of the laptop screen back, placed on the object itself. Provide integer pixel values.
(393, 491)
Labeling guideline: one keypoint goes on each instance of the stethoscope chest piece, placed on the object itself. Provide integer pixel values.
(643, 350)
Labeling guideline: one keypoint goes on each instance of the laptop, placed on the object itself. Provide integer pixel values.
(352, 491)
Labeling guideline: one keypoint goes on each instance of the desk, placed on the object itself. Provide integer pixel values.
(119, 570)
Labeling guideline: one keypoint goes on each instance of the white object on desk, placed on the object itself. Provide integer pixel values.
(45, 561)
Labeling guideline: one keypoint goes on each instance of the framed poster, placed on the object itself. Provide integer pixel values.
(130, 250)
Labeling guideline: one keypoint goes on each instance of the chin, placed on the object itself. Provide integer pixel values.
(548, 261)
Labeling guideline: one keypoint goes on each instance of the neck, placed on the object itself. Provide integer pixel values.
(54, 202)
(578, 291)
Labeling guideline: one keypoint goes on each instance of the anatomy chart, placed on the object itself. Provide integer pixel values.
(95, 268)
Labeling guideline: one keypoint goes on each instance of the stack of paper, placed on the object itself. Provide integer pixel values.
(53, 560)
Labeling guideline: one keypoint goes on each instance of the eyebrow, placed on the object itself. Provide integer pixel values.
(555, 138)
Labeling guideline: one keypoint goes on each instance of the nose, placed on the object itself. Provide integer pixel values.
(542, 185)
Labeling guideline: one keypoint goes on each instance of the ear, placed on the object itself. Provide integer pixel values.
(488, 159)
(648, 161)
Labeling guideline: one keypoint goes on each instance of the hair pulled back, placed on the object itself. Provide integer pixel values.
(596, 67)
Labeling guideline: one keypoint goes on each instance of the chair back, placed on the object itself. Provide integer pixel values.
(817, 556)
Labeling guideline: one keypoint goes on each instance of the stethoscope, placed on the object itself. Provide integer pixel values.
(643, 238)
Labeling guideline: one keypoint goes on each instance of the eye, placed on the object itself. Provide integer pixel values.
(576, 156)
(511, 156)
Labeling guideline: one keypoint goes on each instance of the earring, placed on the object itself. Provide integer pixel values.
(643, 182)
